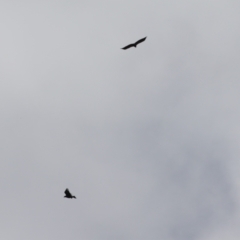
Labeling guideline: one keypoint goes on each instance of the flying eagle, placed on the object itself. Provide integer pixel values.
(68, 194)
(134, 44)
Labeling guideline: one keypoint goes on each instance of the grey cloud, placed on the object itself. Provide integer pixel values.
(146, 139)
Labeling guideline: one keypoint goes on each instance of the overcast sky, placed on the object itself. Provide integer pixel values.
(147, 139)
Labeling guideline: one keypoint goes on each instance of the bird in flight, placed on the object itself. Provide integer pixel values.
(68, 194)
(134, 44)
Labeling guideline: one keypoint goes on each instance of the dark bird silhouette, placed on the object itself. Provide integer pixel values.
(68, 194)
(134, 44)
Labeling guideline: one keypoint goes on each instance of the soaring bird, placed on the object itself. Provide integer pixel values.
(68, 194)
(134, 44)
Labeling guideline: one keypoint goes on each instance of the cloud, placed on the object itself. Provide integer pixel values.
(147, 139)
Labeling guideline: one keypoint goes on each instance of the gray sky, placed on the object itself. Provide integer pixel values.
(147, 139)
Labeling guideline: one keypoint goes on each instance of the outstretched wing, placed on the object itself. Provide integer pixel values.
(140, 40)
(128, 46)
(68, 194)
